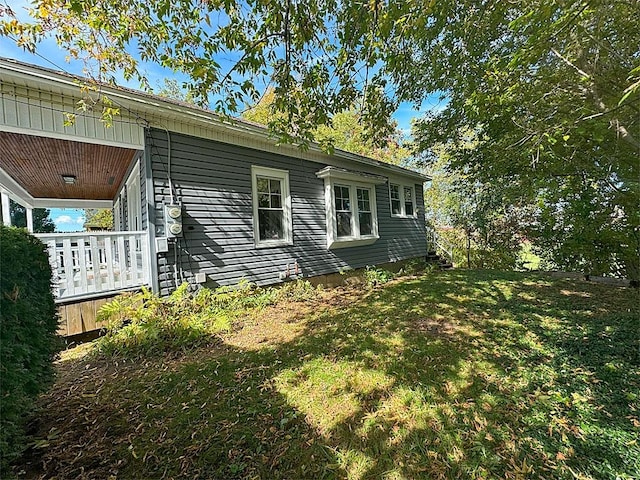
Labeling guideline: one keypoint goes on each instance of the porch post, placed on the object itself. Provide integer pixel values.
(29, 219)
(6, 212)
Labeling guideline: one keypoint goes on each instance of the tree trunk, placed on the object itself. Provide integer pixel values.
(468, 249)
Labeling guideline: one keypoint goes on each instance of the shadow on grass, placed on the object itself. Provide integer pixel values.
(456, 375)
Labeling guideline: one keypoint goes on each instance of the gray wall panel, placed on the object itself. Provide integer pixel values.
(213, 181)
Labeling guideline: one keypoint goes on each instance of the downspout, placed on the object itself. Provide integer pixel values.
(151, 220)
(176, 243)
(169, 164)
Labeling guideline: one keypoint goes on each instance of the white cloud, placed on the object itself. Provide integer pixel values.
(63, 220)
(80, 220)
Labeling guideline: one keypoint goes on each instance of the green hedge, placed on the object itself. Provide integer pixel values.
(28, 340)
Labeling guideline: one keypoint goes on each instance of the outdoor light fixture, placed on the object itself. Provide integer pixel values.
(69, 179)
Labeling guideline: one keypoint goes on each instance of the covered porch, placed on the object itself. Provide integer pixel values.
(37, 171)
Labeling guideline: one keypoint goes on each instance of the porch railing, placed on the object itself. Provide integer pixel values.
(88, 264)
(435, 243)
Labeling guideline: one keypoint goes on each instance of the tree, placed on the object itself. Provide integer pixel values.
(321, 56)
(98, 219)
(42, 223)
(552, 87)
(316, 68)
(346, 132)
(486, 227)
(548, 95)
(343, 130)
(171, 89)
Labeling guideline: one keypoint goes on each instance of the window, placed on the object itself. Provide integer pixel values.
(396, 205)
(403, 200)
(271, 207)
(350, 207)
(344, 212)
(365, 217)
(408, 201)
(353, 214)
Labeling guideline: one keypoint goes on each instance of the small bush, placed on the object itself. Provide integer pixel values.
(417, 266)
(377, 276)
(143, 323)
(28, 340)
(297, 291)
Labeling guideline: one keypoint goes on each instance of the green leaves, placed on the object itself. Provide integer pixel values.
(76, 6)
(553, 110)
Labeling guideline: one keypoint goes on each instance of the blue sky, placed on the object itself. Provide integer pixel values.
(67, 219)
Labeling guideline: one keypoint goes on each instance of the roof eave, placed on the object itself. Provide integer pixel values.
(154, 104)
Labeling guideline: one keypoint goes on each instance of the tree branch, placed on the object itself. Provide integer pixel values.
(624, 133)
(571, 64)
(620, 129)
(247, 53)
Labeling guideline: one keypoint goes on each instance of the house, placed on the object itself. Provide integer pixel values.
(195, 197)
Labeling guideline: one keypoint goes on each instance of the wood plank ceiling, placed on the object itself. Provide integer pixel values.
(38, 164)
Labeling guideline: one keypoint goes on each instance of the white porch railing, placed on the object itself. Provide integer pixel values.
(435, 243)
(88, 264)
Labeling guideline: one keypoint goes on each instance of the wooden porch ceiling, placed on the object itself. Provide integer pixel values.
(38, 163)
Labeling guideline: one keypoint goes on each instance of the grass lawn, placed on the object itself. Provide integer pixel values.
(458, 374)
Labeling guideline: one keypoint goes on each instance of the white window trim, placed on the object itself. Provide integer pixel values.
(402, 186)
(333, 176)
(283, 176)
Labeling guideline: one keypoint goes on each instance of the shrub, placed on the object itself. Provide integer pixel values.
(297, 291)
(417, 266)
(377, 276)
(145, 324)
(28, 340)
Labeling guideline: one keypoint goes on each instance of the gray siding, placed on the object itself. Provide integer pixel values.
(213, 182)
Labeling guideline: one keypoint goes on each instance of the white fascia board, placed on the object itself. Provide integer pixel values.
(156, 106)
(14, 190)
(336, 173)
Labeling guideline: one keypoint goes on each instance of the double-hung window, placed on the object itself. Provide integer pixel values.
(350, 199)
(409, 201)
(403, 200)
(365, 214)
(396, 203)
(272, 225)
(344, 211)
